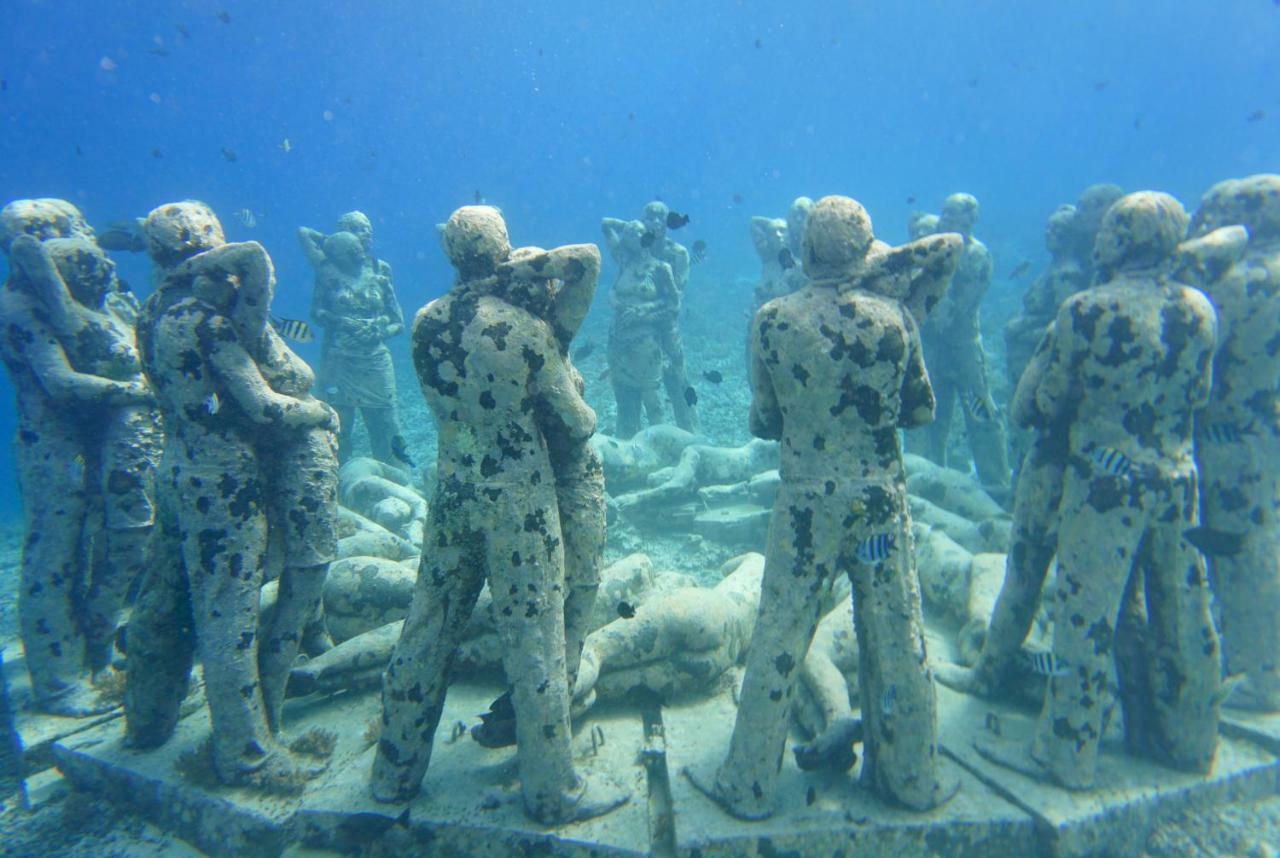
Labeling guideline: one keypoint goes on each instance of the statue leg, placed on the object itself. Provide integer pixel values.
(938, 433)
(676, 381)
(582, 524)
(382, 426)
(627, 419)
(346, 430)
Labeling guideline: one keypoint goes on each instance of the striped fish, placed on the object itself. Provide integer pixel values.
(975, 406)
(293, 329)
(888, 700)
(1045, 663)
(1112, 462)
(875, 549)
(212, 403)
(1222, 433)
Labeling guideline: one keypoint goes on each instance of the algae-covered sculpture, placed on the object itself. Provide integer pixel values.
(1127, 365)
(836, 371)
(493, 375)
(658, 306)
(957, 361)
(87, 448)
(1238, 437)
(355, 304)
(237, 450)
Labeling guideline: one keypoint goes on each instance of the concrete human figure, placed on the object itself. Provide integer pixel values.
(957, 362)
(642, 300)
(920, 224)
(1128, 364)
(656, 242)
(491, 372)
(202, 336)
(355, 303)
(836, 372)
(769, 238)
(75, 428)
(1238, 439)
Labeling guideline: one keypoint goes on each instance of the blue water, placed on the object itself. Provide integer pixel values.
(562, 112)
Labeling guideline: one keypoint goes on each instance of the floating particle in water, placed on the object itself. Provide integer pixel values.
(1137, 123)
(477, 197)
(973, 82)
(713, 375)
(698, 252)
(759, 43)
(1101, 85)
(1257, 115)
(154, 98)
(107, 64)
(224, 16)
(327, 116)
(158, 51)
(4, 86)
(182, 30)
(631, 117)
(1021, 268)
(691, 396)
(247, 218)
(156, 153)
(285, 146)
(230, 154)
(79, 151)
(675, 220)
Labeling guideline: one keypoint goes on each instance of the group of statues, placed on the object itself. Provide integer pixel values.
(182, 449)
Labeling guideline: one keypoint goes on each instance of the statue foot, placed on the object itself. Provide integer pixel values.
(833, 750)
(966, 680)
(1246, 696)
(1018, 757)
(711, 789)
(595, 796)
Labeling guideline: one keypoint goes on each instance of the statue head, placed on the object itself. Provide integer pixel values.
(655, 218)
(797, 216)
(1253, 203)
(475, 240)
(920, 224)
(959, 214)
(43, 219)
(358, 224)
(836, 239)
(1140, 230)
(175, 232)
(770, 235)
(1060, 230)
(1093, 204)
(89, 273)
(344, 251)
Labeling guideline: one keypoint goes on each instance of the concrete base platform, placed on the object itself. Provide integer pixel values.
(471, 803)
(1264, 729)
(1132, 795)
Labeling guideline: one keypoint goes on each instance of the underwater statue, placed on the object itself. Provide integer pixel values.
(1090, 209)
(957, 362)
(495, 378)
(355, 303)
(87, 448)
(656, 306)
(1238, 440)
(1126, 365)
(837, 369)
(777, 262)
(246, 447)
(920, 224)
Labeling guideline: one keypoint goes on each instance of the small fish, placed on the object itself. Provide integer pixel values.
(158, 51)
(246, 217)
(759, 43)
(973, 82)
(212, 403)
(293, 329)
(1113, 462)
(675, 220)
(230, 154)
(1256, 116)
(888, 700)
(911, 201)
(698, 252)
(1021, 268)
(975, 406)
(647, 239)
(399, 449)
(79, 151)
(1045, 663)
(626, 610)
(1222, 433)
(477, 197)
(737, 199)
(713, 375)
(286, 146)
(874, 549)
(224, 16)
(122, 235)
(182, 30)
(691, 396)
(585, 350)
(1214, 543)
(156, 153)
(604, 376)
(810, 796)
(1137, 123)
(1100, 85)
(786, 259)
(631, 117)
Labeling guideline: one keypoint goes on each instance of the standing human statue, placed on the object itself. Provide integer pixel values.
(1128, 363)
(655, 242)
(1238, 440)
(238, 454)
(355, 304)
(837, 369)
(957, 362)
(87, 446)
(494, 376)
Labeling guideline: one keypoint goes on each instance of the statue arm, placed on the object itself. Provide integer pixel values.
(245, 385)
(1053, 392)
(390, 305)
(766, 416)
(917, 399)
(63, 383)
(578, 267)
(1023, 409)
(29, 256)
(312, 242)
(613, 230)
(555, 385)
